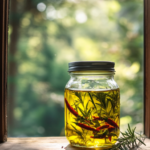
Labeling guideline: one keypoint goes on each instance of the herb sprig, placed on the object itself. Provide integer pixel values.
(129, 140)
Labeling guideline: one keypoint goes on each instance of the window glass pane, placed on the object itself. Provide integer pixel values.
(45, 35)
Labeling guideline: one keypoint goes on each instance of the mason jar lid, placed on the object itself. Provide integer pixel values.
(91, 65)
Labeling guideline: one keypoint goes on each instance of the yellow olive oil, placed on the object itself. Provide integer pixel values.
(92, 118)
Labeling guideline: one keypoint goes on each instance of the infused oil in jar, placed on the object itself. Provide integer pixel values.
(92, 105)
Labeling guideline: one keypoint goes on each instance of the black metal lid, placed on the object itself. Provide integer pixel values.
(91, 65)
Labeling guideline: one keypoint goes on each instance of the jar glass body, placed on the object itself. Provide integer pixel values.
(92, 109)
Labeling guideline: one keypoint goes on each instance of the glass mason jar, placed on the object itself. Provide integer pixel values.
(92, 105)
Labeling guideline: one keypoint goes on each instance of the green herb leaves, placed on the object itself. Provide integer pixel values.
(129, 140)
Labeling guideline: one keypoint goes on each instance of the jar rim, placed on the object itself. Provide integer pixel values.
(92, 72)
(91, 65)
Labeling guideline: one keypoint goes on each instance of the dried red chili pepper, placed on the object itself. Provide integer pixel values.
(86, 127)
(101, 136)
(108, 120)
(110, 129)
(102, 127)
(98, 137)
(109, 137)
(111, 122)
(106, 123)
(71, 108)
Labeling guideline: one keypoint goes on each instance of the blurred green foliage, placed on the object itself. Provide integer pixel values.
(45, 35)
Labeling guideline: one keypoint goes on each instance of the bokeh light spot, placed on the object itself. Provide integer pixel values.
(51, 13)
(41, 7)
(81, 17)
(125, 120)
(40, 130)
(18, 113)
(25, 22)
(135, 67)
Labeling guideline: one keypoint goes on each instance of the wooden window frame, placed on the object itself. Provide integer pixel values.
(3, 68)
(147, 68)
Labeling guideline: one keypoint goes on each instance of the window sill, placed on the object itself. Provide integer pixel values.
(45, 143)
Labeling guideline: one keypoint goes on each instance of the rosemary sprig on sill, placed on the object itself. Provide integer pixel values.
(129, 140)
